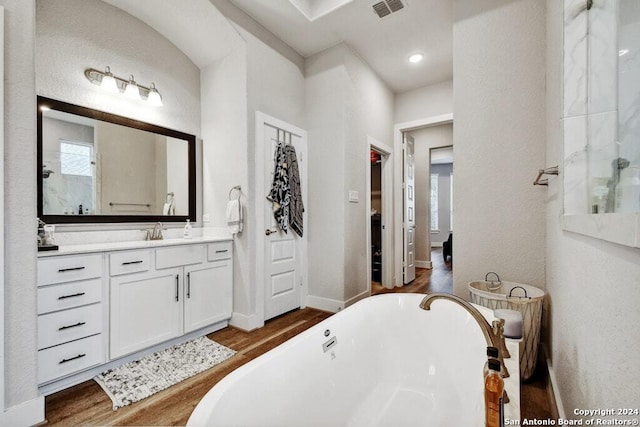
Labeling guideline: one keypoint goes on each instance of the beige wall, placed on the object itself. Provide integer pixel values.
(20, 205)
(345, 102)
(499, 57)
(593, 285)
(427, 101)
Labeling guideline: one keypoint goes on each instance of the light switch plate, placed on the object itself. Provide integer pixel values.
(353, 196)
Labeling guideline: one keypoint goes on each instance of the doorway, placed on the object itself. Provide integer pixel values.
(431, 132)
(375, 196)
(441, 200)
(379, 210)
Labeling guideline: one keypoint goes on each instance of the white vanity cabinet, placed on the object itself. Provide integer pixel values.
(208, 296)
(181, 291)
(99, 309)
(70, 315)
(145, 310)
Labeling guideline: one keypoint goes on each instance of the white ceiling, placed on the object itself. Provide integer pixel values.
(385, 44)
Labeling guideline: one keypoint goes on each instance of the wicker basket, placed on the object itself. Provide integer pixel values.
(526, 299)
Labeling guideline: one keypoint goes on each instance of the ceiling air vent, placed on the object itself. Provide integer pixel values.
(387, 7)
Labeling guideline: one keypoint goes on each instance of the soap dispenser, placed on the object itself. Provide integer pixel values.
(187, 230)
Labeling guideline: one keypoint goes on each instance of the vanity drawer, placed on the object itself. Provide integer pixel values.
(65, 359)
(219, 250)
(178, 256)
(129, 262)
(62, 269)
(68, 325)
(69, 295)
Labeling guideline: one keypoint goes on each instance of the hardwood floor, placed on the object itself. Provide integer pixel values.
(86, 404)
(439, 278)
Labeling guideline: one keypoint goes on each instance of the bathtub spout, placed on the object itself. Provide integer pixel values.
(492, 333)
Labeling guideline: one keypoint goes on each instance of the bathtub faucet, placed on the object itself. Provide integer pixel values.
(493, 333)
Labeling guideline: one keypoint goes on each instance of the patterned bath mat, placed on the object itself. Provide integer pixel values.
(142, 378)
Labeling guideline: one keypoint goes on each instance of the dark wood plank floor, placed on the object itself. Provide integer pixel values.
(86, 404)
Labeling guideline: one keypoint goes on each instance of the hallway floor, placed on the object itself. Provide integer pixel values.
(439, 278)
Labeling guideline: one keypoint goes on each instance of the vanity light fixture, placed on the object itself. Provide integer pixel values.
(106, 80)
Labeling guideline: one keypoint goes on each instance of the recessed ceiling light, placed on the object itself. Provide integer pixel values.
(416, 57)
(623, 52)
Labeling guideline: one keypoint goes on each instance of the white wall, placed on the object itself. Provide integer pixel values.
(224, 134)
(253, 77)
(428, 101)
(346, 102)
(592, 284)
(426, 139)
(20, 206)
(499, 140)
(326, 86)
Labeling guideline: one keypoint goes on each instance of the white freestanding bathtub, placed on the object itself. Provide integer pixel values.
(381, 362)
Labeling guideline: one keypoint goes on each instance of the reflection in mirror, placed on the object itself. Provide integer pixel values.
(98, 167)
(602, 107)
(627, 191)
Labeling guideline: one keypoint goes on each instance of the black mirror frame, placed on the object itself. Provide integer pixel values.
(124, 121)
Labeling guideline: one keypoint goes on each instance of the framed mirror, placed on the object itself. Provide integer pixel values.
(97, 167)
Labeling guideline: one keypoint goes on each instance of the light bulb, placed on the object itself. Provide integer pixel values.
(109, 82)
(416, 57)
(154, 97)
(132, 91)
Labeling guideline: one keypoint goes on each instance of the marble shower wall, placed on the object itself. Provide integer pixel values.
(629, 81)
(600, 120)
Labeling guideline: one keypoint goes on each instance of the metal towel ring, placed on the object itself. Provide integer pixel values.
(237, 187)
(519, 287)
(493, 287)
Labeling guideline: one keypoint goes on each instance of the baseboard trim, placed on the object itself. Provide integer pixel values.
(245, 322)
(424, 264)
(28, 413)
(357, 298)
(325, 304)
(557, 408)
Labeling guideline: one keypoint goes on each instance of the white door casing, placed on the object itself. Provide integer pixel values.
(398, 130)
(284, 254)
(409, 222)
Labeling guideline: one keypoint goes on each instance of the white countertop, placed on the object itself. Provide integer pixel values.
(134, 244)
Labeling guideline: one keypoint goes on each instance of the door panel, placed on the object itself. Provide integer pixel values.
(409, 209)
(283, 251)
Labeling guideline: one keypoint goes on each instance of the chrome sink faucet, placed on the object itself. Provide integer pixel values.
(493, 333)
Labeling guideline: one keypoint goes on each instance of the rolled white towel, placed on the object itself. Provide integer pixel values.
(234, 216)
